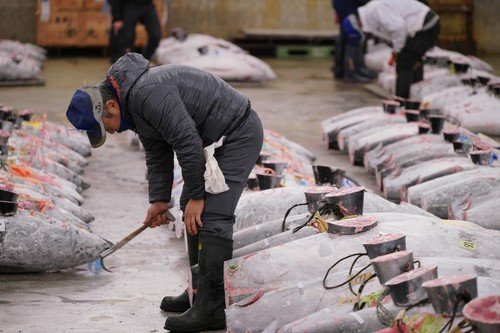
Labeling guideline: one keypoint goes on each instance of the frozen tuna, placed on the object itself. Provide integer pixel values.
(343, 137)
(303, 299)
(332, 126)
(482, 210)
(383, 135)
(423, 172)
(31, 243)
(308, 257)
(214, 55)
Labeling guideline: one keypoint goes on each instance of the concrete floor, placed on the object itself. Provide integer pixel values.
(153, 264)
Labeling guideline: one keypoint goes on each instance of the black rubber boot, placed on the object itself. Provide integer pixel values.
(181, 303)
(207, 313)
(178, 303)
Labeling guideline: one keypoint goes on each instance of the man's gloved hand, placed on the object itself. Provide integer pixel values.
(392, 60)
(155, 215)
(192, 215)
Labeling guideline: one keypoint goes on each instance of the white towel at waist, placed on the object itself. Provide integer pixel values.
(215, 181)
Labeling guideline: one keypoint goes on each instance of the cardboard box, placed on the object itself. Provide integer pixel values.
(95, 5)
(63, 29)
(95, 29)
(81, 23)
(65, 5)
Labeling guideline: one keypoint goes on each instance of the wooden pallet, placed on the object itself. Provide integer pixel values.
(289, 34)
(18, 83)
(304, 51)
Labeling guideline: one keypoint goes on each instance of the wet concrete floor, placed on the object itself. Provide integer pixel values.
(154, 264)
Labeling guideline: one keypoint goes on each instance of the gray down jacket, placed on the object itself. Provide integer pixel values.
(175, 108)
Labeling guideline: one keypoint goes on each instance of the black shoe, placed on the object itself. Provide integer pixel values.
(181, 303)
(364, 71)
(176, 303)
(355, 78)
(207, 313)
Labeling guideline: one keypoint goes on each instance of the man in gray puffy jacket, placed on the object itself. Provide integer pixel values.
(181, 109)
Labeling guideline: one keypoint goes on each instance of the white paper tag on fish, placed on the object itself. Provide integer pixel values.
(45, 11)
(2, 225)
(215, 182)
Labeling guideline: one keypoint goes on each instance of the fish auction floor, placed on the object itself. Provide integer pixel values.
(154, 264)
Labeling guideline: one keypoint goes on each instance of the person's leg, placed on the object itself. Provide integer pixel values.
(353, 39)
(153, 28)
(411, 59)
(115, 44)
(404, 80)
(236, 158)
(405, 61)
(352, 53)
(349, 54)
(358, 59)
(180, 303)
(130, 18)
(361, 68)
(339, 55)
(418, 70)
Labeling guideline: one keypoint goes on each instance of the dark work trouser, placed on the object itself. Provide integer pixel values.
(352, 59)
(339, 55)
(236, 158)
(409, 63)
(145, 14)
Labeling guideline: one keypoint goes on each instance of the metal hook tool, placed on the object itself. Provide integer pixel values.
(127, 239)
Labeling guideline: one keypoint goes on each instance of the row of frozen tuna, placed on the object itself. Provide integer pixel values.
(214, 55)
(453, 84)
(278, 273)
(43, 227)
(19, 61)
(474, 102)
(419, 158)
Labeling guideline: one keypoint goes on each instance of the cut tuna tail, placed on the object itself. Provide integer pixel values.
(484, 313)
(448, 295)
(325, 175)
(315, 197)
(406, 289)
(391, 265)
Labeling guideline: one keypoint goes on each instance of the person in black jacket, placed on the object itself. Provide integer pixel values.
(181, 109)
(125, 16)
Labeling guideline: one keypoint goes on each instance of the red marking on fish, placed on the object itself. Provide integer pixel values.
(248, 256)
(249, 301)
(397, 172)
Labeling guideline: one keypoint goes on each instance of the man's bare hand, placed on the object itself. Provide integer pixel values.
(155, 215)
(192, 215)
(117, 26)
